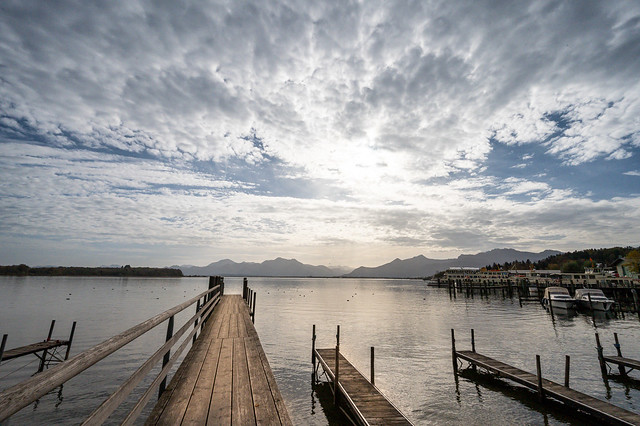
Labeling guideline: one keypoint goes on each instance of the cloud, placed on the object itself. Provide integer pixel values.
(371, 123)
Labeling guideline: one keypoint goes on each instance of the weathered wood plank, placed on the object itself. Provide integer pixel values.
(242, 411)
(32, 348)
(198, 408)
(264, 405)
(220, 410)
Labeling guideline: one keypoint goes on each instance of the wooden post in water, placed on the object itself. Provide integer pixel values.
(550, 305)
(373, 379)
(336, 376)
(473, 341)
(3, 344)
(73, 331)
(634, 293)
(519, 297)
(603, 365)
(539, 373)
(43, 360)
(567, 366)
(453, 353)
(313, 347)
(167, 356)
(617, 345)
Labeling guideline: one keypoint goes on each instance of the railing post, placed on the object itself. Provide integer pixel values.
(336, 378)
(539, 372)
(567, 363)
(73, 330)
(44, 352)
(373, 377)
(244, 289)
(195, 325)
(167, 356)
(253, 309)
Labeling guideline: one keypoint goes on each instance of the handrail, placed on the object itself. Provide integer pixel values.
(101, 413)
(19, 396)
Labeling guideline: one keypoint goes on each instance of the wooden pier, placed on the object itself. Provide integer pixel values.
(605, 411)
(365, 404)
(225, 378)
(622, 362)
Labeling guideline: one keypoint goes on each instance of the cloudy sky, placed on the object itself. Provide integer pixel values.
(334, 132)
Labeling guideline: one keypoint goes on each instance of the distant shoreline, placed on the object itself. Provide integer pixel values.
(73, 271)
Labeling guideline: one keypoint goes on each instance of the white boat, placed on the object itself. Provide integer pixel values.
(599, 302)
(558, 297)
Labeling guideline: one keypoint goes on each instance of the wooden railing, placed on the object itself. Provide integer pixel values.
(19, 396)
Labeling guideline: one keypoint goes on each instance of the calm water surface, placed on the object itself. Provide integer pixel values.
(408, 323)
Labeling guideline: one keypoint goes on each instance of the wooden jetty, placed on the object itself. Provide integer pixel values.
(364, 403)
(225, 378)
(622, 362)
(605, 411)
(46, 350)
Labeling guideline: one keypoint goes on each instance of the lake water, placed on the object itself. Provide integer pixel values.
(408, 323)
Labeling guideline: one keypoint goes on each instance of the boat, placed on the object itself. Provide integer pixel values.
(558, 297)
(598, 302)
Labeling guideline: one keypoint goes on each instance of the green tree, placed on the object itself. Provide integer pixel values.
(632, 261)
(572, 267)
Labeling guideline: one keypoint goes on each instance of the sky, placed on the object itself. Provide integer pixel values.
(157, 133)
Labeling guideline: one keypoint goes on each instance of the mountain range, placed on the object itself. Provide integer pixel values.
(414, 267)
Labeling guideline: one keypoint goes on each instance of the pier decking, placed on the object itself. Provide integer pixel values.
(603, 410)
(225, 378)
(365, 400)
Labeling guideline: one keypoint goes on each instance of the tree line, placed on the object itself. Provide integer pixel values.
(75, 271)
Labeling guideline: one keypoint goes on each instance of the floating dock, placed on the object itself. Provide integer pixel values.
(622, 362)
(225, 378)
(364, 402)
(605, 411)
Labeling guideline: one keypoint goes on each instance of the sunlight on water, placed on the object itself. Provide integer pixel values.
(408, 323)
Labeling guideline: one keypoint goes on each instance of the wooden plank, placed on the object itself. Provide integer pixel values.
(242, 411)
(220, 410)
(283, 414)
(627, 362)
(198, 408)
(263, 402)
(32, 348)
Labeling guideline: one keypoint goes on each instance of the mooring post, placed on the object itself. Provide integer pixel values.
(73, 331)
(473, 341)
(550, 305)
(373, 377)
(621, 368)
(453, 353)
(539, 372)
(567, 363)
(43, 360)
(603, 365)
(336, 376)
(634, 293)
(253, 309)
(313, 347)
(3, 344)
(167, 356)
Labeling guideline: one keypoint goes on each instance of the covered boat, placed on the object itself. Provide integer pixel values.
(599, 302)
(559, 298)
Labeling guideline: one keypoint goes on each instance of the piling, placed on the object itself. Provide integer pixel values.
(603, 365)
(567, 364)
(73, 330)
(373, 378)
(621, 368)
(454, 353)
(336, 387)
(43, 360)
(539, 373)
